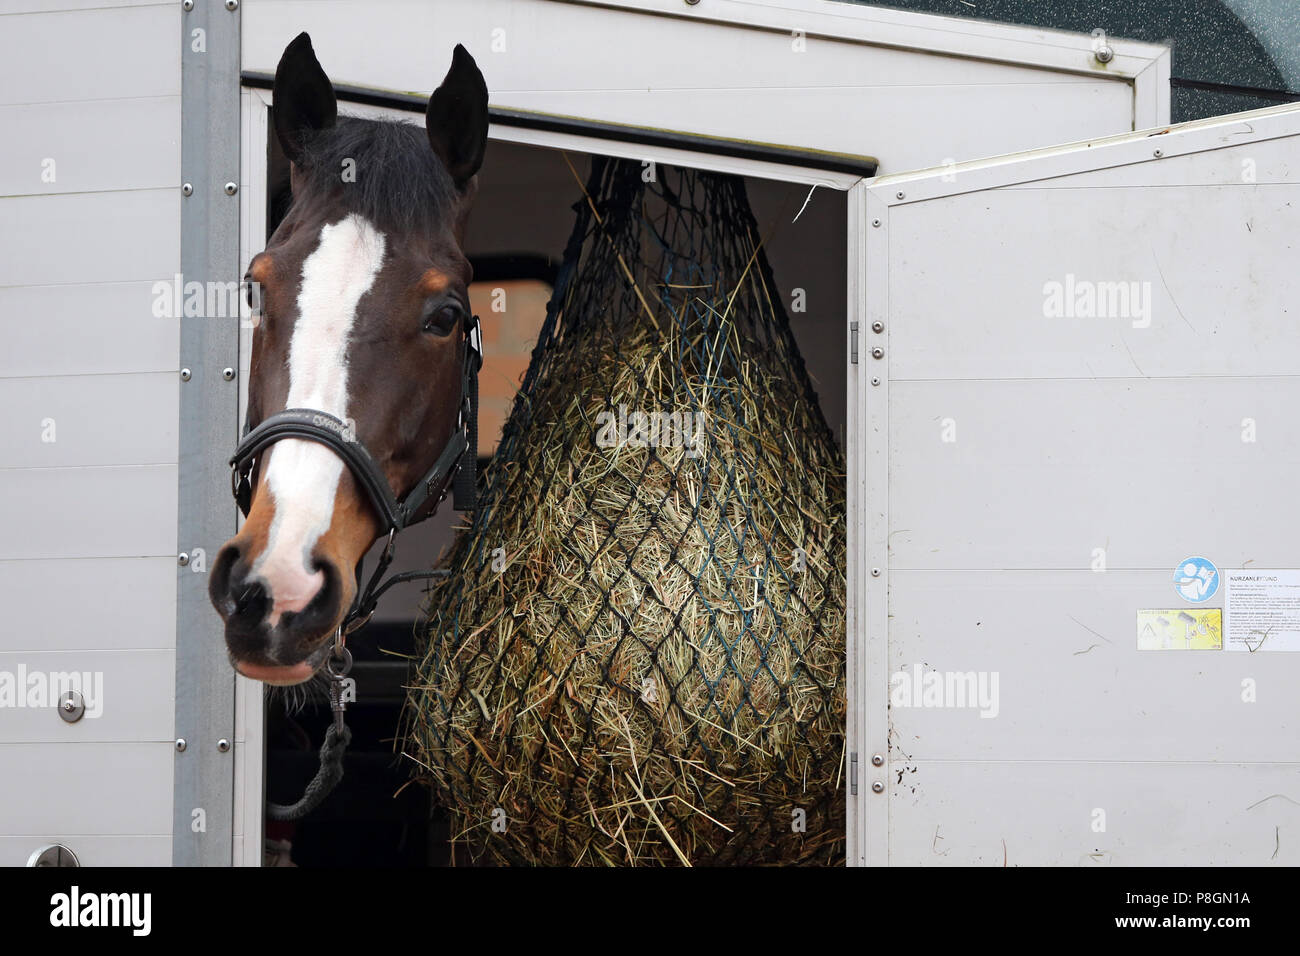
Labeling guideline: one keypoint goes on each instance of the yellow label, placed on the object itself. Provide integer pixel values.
(1181, 629)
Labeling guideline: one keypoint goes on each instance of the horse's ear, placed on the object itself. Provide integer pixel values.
(457, 117)
(304, 97)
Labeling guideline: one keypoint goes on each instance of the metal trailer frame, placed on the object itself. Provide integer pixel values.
(794, 166)
(210, 216)
(1146, 65)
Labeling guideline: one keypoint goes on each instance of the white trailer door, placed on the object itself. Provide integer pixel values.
(1087, 376)
(910, 89)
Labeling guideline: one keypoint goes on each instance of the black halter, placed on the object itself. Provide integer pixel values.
(456, 464)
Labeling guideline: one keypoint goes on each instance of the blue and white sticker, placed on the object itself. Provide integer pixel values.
(1196, 580)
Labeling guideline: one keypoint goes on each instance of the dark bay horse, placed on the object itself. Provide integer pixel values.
(365, 314)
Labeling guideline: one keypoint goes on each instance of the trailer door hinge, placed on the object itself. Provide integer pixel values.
(853, 774)
(853, 342)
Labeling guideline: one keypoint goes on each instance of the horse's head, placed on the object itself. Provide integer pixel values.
(364, 310)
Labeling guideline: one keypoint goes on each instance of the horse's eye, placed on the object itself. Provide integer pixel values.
(252, 296)
(441, 318)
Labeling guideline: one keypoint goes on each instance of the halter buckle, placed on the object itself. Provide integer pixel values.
(475, 336)
(241, 485)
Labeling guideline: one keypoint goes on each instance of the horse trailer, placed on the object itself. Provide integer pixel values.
(1057, 374)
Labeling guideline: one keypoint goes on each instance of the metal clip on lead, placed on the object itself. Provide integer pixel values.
(338, 665)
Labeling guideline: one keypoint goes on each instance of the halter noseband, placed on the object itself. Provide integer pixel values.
(456, 463)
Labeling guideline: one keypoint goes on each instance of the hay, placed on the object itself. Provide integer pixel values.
(632, 662)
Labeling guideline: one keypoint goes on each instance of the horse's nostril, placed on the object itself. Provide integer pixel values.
(227, 571)
(249, 594)
(249, 602)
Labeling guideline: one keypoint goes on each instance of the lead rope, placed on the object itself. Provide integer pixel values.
(337, 738)
(337, 666)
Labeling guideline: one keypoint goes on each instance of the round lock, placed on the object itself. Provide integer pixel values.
(55, 854)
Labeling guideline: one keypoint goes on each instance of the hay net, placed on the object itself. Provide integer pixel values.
(639, 654)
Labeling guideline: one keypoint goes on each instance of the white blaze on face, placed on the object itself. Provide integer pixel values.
(303, 476)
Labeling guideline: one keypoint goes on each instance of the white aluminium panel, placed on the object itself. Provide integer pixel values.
(911, 89)
(124, 692)
(1040, 472)
(92, 849)
(78, 146)
(993, 813)
(120, 789)
(86, 328)
(116, 511)
(53, 56)
(116, 236)
(90, 175)
(1041, 468)
(30, 588)
(66, 420)
(8, 7)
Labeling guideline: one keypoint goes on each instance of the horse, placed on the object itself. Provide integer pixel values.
(361, 360)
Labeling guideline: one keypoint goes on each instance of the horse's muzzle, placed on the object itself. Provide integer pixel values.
(293, 647)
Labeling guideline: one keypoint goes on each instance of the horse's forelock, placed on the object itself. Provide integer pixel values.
(383, 170)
